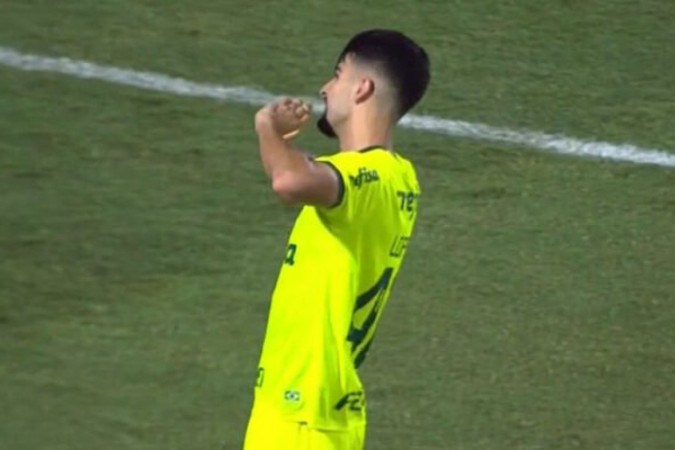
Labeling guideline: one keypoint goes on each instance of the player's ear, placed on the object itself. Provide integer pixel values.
(365, 88)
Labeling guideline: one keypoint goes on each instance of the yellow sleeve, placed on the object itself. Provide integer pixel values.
(346, 170)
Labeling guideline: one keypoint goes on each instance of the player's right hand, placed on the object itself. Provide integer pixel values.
(287, 116)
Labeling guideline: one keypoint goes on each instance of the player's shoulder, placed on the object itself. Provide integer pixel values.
(374, 165)
(376, 157)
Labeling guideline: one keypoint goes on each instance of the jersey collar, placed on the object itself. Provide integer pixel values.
(372, 147)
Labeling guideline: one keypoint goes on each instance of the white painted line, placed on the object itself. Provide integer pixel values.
(238, 94)
(541, 141)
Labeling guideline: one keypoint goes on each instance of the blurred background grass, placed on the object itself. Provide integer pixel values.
(140, 241)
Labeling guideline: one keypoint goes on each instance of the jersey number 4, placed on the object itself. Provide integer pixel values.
(371, 302)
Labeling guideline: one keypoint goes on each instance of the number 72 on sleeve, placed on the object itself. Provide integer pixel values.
(408, 200)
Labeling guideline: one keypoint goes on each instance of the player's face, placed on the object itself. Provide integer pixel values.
(337, 95)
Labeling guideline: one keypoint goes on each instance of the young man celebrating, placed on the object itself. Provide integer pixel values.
(345, 249)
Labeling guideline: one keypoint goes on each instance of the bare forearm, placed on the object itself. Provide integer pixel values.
(277, 155)
(296, 178)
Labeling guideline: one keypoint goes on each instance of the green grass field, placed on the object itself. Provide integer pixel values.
(140, 242)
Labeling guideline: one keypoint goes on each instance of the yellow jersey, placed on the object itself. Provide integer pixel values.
(339, 268)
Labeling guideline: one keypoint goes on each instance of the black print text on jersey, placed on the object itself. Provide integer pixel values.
(364, 176)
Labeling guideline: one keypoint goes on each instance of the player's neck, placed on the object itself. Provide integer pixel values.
(365, 132)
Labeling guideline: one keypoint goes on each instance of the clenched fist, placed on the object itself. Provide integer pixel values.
(286, 116)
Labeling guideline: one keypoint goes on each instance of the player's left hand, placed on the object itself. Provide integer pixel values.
(287, 116)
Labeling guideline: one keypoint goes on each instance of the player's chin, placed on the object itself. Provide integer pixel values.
(325, 127)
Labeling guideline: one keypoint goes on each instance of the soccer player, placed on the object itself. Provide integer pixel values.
(358, 211)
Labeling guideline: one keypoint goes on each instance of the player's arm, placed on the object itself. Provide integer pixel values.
(296, 177)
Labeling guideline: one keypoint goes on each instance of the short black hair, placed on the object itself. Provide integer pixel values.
(398, 58)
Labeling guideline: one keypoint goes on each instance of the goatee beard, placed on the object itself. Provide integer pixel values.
(325, 127)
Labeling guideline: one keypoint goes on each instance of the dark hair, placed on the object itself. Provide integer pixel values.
(398, 58)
